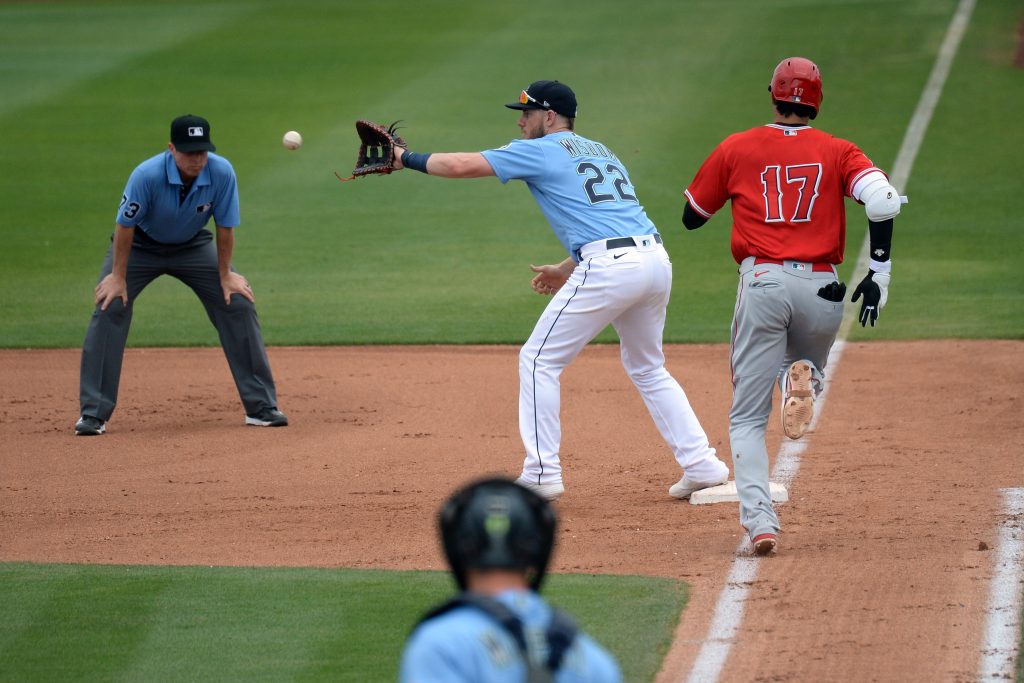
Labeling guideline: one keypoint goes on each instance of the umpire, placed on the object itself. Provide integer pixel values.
(160, 230)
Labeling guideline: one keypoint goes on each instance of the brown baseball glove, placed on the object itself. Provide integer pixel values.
(376, 149)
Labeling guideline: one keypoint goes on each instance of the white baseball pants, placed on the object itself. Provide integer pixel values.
(629, 288)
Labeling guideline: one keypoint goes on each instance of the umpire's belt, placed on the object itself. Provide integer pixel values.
(796, 265)
(601, 246)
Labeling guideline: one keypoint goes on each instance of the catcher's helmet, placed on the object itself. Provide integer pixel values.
(497, 524)
(797, 80)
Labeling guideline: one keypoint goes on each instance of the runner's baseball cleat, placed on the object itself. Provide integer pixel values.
(797, 399)
(764, 544)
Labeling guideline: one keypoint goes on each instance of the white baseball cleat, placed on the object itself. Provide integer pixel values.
(549, 492)
(797, 399)
(686, 487)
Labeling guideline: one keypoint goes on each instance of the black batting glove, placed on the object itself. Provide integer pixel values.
(875, 289)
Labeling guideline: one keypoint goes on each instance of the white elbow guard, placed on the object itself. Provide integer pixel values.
(881, 200)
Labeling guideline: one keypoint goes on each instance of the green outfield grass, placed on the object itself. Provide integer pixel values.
(89, 88)
(101, 623)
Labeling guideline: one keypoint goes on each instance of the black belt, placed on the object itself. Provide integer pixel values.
(616, 243)
(626, 242)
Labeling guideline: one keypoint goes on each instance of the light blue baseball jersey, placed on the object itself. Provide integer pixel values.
(467, 646)
(151, 199)
(581, 186)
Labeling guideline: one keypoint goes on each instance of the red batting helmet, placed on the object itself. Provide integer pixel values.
(797, 80)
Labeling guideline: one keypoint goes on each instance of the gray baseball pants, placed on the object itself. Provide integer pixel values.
(779, 319)
(194, 263)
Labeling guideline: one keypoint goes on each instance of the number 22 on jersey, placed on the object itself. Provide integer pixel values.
(802, 179)
(597, 183)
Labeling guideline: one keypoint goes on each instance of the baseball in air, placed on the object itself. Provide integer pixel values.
(292, 140)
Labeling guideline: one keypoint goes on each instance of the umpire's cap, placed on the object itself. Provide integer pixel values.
(552, 95)
(191, 133)
(497, 524)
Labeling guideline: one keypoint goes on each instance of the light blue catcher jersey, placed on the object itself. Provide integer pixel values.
(150, 200)
(581, 186)
(467, 646)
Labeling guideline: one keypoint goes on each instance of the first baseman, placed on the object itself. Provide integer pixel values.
(787, 182)
(160, 230)
(617, 272)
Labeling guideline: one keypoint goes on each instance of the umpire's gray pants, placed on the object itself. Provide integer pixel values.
(194, 263)
(779, 319)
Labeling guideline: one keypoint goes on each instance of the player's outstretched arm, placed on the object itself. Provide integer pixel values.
(445, 164)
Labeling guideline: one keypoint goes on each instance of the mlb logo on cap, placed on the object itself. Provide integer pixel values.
(191, 133)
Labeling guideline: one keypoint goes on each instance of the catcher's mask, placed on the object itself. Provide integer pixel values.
(497, 524)
(797, 80)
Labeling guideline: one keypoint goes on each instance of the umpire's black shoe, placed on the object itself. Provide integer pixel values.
(88, 425)
(268, 417)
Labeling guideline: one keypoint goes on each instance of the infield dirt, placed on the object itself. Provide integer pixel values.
(882, 572)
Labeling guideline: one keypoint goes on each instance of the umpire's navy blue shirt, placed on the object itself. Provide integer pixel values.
(151, 199)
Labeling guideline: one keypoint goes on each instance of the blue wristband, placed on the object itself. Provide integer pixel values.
(415, 161)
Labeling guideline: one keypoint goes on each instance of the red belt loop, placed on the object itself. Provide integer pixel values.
(817, 267)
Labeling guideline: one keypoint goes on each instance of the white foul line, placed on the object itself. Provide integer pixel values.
(726, 621)
(729, 608)
(999, 646)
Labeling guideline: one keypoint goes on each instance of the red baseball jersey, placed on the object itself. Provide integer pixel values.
(787, 185)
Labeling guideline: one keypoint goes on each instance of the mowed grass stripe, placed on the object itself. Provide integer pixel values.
(47, 49)
(88, 622)
(69, 625)
(254, 624)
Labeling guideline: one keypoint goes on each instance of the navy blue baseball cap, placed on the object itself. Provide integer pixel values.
(191, 133)
(557, 97)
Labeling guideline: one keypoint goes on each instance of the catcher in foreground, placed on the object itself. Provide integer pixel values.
(376, 149)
